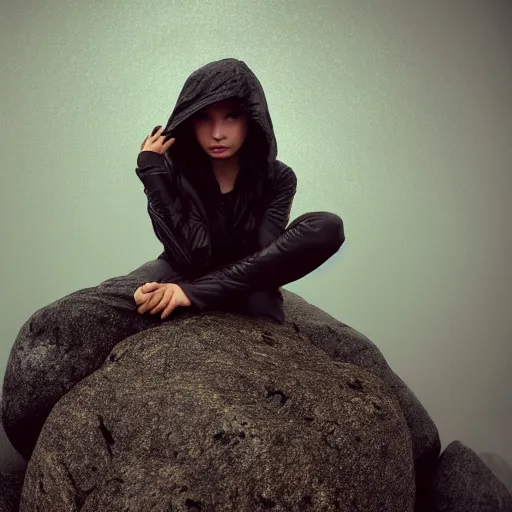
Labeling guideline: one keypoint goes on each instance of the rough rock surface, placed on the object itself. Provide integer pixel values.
(225, 413)
(33, 383)
(343, 343)
(12, 471)
(10, 490)
(463, 483)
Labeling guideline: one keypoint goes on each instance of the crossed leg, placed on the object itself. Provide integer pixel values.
(253, 283)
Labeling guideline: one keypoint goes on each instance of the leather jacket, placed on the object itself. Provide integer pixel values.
(176, 209)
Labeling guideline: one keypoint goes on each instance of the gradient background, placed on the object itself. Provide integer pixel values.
(396, 115)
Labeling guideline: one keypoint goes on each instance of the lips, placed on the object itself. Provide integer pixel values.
(218, 147)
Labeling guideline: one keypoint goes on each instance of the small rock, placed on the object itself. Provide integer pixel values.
(463, 483)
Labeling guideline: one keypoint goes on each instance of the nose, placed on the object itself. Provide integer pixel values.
(217, 131)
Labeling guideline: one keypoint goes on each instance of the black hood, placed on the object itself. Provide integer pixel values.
(188, 164)
(219, 80)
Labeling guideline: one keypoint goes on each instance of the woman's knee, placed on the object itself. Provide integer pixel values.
(333, 229)
(325, 228)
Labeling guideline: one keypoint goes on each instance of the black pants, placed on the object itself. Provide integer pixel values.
(69, 339)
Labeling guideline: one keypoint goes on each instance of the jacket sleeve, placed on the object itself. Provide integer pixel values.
(277, 214)
(224, 283)
(181, 240)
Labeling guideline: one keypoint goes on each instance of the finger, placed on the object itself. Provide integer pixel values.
(143, 308)
(168, 144)
(138, 294)
(156, 131)
(142, 297)
(155, 299)
(169, 309)
(163, 303)
(144, 292)
(150, 303)
(149, 287)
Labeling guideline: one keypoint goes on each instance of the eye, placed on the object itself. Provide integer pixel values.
(202, 115)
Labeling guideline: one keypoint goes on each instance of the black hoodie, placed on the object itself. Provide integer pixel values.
(184, 199)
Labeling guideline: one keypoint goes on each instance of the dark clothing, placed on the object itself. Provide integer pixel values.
(224, 248)
(208, 237)
(307, 243)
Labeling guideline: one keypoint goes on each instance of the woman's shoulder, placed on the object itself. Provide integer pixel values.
(284, 175)
(281, 167)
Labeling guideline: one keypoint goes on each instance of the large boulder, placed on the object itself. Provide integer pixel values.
(81, 348)
(84, 346)
(223, 413)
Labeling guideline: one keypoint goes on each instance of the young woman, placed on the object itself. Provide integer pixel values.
(232, 250)
(221, 217)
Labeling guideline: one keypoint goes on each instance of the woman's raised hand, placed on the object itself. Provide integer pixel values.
(155, 142)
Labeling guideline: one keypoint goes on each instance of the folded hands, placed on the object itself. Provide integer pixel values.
(155, 297)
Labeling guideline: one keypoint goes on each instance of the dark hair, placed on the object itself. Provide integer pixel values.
(252, 179)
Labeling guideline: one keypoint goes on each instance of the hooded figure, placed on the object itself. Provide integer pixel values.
(223, 248)
(182, 187)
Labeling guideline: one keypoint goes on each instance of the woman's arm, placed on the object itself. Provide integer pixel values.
(277, 215)
(222, 284)
(185, 244)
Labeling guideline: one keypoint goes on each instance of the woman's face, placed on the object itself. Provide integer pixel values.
(221, 123)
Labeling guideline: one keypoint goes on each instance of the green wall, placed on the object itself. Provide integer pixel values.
(394, 114)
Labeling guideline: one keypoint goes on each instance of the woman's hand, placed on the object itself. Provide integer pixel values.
(155, 297)
(155, 142)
